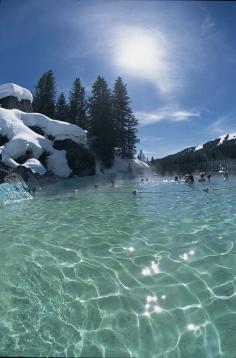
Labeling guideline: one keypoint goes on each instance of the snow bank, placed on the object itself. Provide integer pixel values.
(128, 165)
(124, 166)
(11, 89)
(14, 125)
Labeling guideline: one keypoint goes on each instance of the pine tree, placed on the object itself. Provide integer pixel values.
(101, 125)
(45, 94)
(125, 122)
(62, 109)
(140, 155)
(78, 104)
(132, 139)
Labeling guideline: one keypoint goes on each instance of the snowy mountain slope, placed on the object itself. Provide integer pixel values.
(208, 156)
(219, 141)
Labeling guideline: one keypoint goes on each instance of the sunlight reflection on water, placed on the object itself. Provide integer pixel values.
(107, 273)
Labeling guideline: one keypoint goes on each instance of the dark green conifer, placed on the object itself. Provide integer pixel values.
(78, 104)
(141, 156)
(45, 95)
(125, 122)
(101, 125)
(62, 109)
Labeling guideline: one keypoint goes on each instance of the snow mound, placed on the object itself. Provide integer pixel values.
(121, 165)
(51, 127)
(57, 164)
(128, 165)
(35, 166)
(11, 89)
(15, 126)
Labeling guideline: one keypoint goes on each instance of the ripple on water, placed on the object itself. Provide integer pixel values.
(110, 274)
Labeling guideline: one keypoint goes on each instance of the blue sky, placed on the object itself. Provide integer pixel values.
(177, 58)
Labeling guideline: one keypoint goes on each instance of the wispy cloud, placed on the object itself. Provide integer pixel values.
(151, 139)
(165, 114)
(145, 41)
(147, 53)
(224, 124)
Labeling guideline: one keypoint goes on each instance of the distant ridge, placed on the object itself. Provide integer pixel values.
(210, 156)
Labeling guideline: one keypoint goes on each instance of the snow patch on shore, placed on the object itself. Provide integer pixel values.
(123, 166)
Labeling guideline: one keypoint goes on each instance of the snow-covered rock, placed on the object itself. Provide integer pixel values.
(35, 166)
(51, 127)
(11, 89)
(57, 164)
(15, 126)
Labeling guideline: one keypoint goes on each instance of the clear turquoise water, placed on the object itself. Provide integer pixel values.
(105, 273)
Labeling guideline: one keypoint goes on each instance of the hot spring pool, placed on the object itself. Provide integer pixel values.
(102, 272)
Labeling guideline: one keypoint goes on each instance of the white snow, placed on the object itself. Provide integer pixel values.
(11, 89)
(128, 165)
(123, 166)
(14, 125)
(198, 147)
(57, 164)
(58, 129)
(35, 166)
(224, 137)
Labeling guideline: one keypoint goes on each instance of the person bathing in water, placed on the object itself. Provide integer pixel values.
(202, 179)
(188, 178)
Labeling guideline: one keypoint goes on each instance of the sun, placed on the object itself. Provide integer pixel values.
(137, 51)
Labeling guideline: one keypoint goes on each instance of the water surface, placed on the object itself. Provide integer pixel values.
(103, 272)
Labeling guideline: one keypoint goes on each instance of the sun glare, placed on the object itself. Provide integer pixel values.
(138, 50)
(137, 53)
